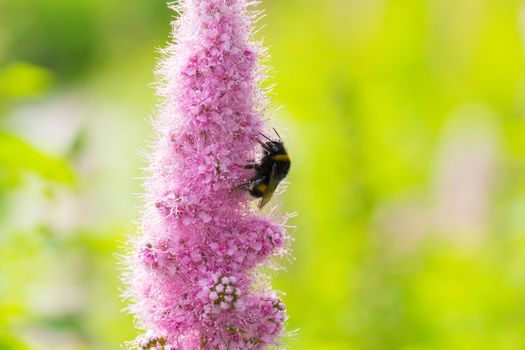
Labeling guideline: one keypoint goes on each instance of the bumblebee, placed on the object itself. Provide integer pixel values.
(271, 169)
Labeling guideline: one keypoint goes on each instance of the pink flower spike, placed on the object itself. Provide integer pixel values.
(191, 285)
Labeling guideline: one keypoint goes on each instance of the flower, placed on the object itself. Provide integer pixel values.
(191, 282)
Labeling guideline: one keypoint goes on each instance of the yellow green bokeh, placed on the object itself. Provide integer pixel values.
(405, 120)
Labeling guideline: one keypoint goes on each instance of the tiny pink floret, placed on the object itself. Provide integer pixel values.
(191, 275)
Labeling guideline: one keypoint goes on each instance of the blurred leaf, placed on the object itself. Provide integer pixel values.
(23, 80)
(16, 155)
(9, 310)
(8, 342)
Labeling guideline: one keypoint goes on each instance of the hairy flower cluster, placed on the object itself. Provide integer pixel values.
(223, 294)
(191, 273)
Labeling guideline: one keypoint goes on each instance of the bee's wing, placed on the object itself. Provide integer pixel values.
(270, 189)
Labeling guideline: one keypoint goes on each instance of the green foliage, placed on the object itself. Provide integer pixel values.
(22, 80)
(17, 156)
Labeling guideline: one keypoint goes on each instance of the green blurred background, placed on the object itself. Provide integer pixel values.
(406, 123)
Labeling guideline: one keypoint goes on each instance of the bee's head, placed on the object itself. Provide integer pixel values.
(276, 147)
(272, 146)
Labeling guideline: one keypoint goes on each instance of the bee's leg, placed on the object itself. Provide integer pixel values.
(248, 186)
(247, 166)
(244, 187)
(250, 166)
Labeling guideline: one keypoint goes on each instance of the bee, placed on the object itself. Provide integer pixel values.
(271, 169)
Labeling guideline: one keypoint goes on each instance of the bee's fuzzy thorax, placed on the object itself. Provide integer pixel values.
(190, 269)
